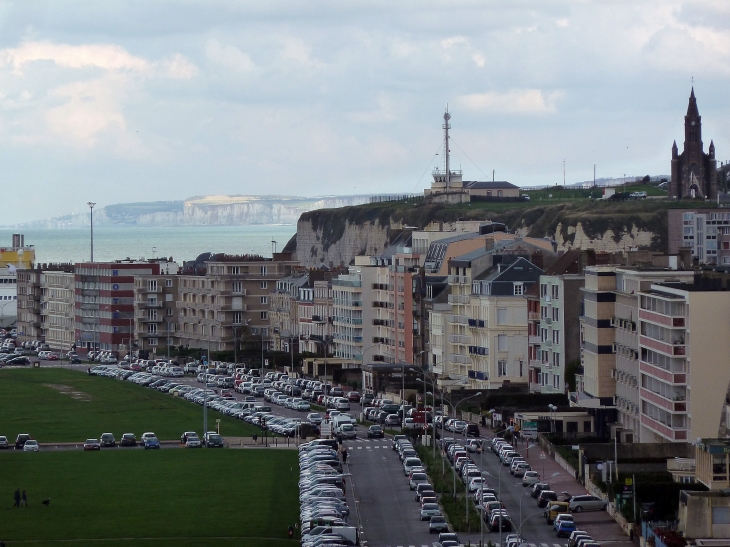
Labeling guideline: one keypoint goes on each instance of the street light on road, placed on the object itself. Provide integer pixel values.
(455, 407)
(91, 207)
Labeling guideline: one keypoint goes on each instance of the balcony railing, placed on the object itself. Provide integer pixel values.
(457, 279)
(670, 349)
(458, 299)
(533, 316)
(460, 319)
(667, 321)
(673, 434)
(459, 339)
(460, 359)
(675, 378)
(663, 402)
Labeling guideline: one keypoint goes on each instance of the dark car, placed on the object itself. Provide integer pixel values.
(368, 399)
(108, 440)
(213, 440)
(546, 496)
(129, 439)
(20, 441)
(375, 432)
(151, 443)
(448, 536)
(539, 487)
(498, 519)
(75, 360)
(92, 444)
(18, 361)
(472, 430)
(437, 523)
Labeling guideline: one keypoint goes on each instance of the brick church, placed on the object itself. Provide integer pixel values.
(694, 173)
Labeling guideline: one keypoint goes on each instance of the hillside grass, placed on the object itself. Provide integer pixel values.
(60, 405)
(161, 497)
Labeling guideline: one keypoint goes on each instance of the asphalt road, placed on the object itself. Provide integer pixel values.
(379, 492)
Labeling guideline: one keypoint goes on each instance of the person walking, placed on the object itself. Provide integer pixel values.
(16, 497)
(24, 500)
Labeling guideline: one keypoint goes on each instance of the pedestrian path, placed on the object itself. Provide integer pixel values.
(367, 444)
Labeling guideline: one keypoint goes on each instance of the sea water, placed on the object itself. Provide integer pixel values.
(136, 242)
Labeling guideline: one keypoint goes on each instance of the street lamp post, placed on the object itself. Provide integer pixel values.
(454, 411)
(553, 409)
(91, 207)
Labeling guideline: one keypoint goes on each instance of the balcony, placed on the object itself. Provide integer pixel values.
(547, 320)
(458, 299)
(460, 359)
(458, 319)
(661, 401)
(675, 349)
(459, 339)
(149, 304)
(675, 378)
(534, 339)
(660, 319)
(673, 434)
(478, 350)
(535, 363)
(533, 316)
(457, 279)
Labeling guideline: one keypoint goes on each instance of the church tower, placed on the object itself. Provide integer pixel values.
(694, 173)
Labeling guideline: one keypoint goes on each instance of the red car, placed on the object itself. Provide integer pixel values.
(354, 397)
(52, 357)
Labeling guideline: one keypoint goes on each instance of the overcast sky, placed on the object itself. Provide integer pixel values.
(160, 100)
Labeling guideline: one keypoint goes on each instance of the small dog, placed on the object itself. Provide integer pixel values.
(46, 502)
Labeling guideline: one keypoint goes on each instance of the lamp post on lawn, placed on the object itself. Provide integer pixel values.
(91, 207)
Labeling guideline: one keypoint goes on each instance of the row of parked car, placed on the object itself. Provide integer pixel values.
(251, 412)
(323, 503)
(418, 482)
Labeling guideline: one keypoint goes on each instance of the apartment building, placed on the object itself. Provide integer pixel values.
(347, 295)
(18, 255)
(684, 338)
(284, 311)
(155, 311)
(233, 294)
(496, 324)
(22, 298)
(315, 315)
(58, 311)
(104, 307)
(705, 231)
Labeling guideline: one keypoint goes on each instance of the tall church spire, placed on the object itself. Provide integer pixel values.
(692, 111)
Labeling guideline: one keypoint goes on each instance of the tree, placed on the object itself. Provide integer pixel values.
(571, 368)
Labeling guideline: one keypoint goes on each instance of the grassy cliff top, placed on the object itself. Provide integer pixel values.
(541, 215)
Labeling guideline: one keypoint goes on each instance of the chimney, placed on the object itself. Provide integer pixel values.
(489, 243)
(537, 259)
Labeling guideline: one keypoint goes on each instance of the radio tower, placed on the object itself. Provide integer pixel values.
(447, 126)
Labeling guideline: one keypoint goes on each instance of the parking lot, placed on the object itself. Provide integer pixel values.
(387, 509)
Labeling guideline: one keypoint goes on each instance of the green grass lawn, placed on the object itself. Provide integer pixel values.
(136, 497)
(59, 405)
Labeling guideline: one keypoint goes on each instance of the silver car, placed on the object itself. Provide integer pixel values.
(430, 510)
(586, 503)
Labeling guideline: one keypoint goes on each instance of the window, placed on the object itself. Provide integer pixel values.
(152, 328)
(168, 282)
(556, 337)
(264, 270)
(543, 290)
(169, 312)
(234, 270)
(556, 314)
(152, 285)
(264, 285)
(501, 316)
(501, 342)
(518, 289)
(502, 368)
(237, 317)
(153, 341)
(264, 300)
(264, 315)
(556, 291)
(237, 287)
(152, 315)
(556, 359)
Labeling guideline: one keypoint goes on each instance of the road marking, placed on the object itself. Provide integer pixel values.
(359, 447)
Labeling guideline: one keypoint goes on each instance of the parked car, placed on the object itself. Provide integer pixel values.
(193, 441)
(437, 523)
(20, 440)
(530, 477)
(108, 440)
(4, 443)
(151, 443)
(354, 397)
(31, 446)
(92, 444)
(545, 497)
(587, 503)
(213, 440)
(429, 510)
(128, 439)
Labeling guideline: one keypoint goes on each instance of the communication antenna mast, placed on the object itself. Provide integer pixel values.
(447, 152)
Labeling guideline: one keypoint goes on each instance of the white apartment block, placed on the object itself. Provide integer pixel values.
(57, 309)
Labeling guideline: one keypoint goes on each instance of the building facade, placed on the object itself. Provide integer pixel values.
(22, 297)
(155, 312)
(58, 313)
